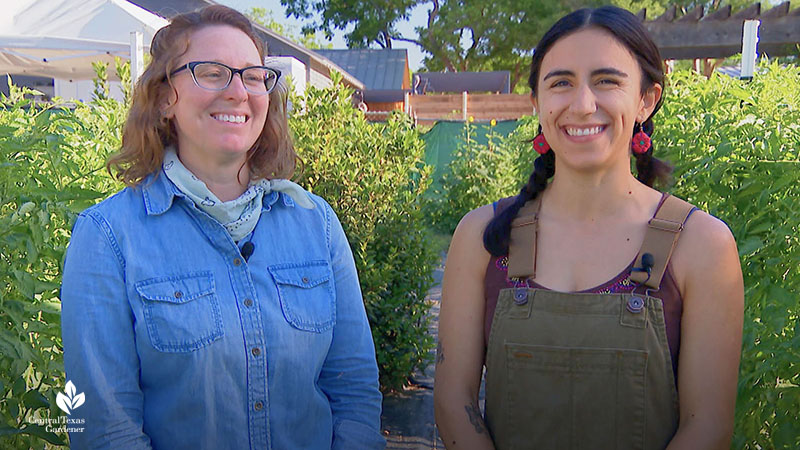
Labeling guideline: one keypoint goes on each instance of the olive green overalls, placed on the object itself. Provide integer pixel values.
(583, 371)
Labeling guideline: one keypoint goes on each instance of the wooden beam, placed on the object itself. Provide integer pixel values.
(669, 14)
(720, 14)
(693, 16)
(778, 11)
(722, 38)
(750, 13)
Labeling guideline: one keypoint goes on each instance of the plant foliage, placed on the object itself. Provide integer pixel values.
(735, 148)
(480, 174)
(51, 167)
(374, 176)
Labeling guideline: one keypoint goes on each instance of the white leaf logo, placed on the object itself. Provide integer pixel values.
(69, 401)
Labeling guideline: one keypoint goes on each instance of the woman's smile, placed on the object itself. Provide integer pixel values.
(583, 133)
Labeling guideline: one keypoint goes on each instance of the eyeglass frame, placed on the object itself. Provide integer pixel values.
(192, 64)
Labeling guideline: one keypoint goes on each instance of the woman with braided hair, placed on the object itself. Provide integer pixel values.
(608, 315)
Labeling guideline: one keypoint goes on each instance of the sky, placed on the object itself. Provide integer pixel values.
(418, 18)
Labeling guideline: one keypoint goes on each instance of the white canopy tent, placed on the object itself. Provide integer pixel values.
(61, 38)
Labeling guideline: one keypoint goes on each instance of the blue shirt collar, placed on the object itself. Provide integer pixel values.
(159, 193)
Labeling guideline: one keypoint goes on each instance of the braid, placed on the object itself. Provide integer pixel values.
(649, 168)
(497, 232)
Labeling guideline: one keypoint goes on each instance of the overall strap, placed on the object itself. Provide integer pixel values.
(659, 241)
(522, 241)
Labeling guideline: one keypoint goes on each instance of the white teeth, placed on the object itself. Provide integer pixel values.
(230, 118)
(583, 131)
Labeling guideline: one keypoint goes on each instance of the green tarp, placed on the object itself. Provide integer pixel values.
(444, 139)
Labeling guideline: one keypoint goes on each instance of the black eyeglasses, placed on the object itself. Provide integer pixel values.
(215, 76)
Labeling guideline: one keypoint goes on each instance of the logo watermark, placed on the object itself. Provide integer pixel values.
(61, 424)
(68, 400)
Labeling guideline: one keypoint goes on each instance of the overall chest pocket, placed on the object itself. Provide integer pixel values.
(306, 294)
(181, 312)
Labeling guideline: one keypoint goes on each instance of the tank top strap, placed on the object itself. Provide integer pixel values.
(522, 241)
(660, 238)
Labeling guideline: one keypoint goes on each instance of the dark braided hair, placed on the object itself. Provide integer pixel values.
(628, 30)
(494, 237)
(648, 168)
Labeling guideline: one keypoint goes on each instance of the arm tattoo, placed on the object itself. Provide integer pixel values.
(474, 414)
(439, 353)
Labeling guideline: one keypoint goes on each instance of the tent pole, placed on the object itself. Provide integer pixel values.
(137, 57)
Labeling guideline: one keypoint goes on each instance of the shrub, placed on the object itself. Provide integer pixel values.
(735, 147)
(481, 174)
(51, 160)
(374, 176)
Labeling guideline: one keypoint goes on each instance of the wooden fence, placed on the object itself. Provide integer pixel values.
(480, 107)
(427, 109)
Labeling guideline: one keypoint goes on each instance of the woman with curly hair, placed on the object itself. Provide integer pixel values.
(213, 303)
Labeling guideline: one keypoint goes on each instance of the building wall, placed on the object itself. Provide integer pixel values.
(318, 79)
(290, 67)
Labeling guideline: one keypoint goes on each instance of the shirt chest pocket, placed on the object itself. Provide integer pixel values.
(306, 294)
(181, 312)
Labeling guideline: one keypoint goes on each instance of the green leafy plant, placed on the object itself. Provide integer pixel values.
(51, 160)
(481, 174)
(374, 177)
(735, 148)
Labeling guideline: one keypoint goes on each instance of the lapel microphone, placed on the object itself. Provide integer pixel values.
(647, 262)
(248, 248)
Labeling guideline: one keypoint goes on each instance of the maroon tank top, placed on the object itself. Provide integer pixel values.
(497, 279)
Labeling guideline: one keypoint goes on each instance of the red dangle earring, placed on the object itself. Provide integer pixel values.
(540, 144)
(641, 141)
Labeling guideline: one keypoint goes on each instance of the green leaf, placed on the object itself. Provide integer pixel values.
(750, 245)
(34, 400)
(42, 433)
(19, 387)
(5, 430)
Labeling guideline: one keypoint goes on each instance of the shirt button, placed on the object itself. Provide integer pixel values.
(305, 280)
(256, 351)
(237, 262)
(178, 294)
(248, 302)
(258, 406)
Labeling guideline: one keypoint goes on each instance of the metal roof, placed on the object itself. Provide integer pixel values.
(378, 69)
(462, 81)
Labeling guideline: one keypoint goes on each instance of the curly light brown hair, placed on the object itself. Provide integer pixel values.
(147, 131)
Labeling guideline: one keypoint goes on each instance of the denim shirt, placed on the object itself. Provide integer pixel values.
(178, 342)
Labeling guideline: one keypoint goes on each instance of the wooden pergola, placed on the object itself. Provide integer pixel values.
(694, 35)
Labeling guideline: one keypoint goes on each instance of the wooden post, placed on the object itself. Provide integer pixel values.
(406, 102)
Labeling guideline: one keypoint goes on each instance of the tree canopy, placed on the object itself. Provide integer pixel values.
(460, 35)
(308, 39)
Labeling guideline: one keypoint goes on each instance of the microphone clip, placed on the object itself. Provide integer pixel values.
(647, 264)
